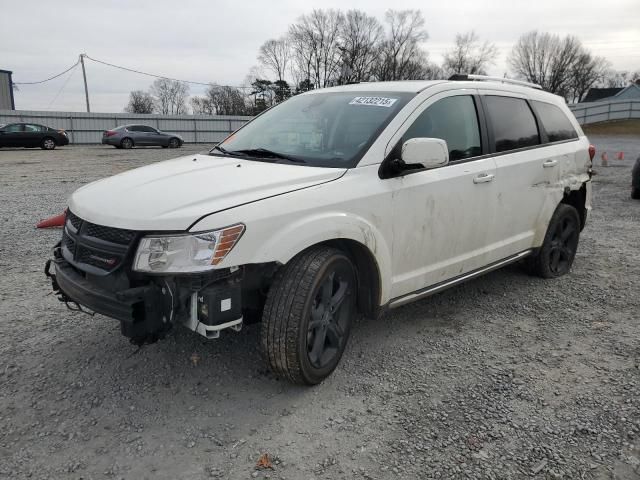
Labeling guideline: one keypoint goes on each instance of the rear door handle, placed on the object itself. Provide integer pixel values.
(484, 178)
(550, 163)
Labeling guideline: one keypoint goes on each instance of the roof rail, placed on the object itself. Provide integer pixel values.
(460, 77)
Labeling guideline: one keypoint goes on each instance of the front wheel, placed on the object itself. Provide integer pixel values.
(308, 313)
(174, 143)
(558, 250)
(48, 144)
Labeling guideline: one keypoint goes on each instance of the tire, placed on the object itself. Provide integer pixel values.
(558, 250)
(48, 143)
(302, 340)
(174, 143)
(635, 193)
(126, 143)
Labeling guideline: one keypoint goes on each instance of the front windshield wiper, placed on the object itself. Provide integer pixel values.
(224, 151)
(263, 153)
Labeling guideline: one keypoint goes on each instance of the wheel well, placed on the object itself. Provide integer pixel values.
(50, 138)
(577, 199)
(368, 274)
(127, 138)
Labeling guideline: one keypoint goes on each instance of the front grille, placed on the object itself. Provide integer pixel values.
(115, 235)
(68, 242)
(95, 248)
(73, 220)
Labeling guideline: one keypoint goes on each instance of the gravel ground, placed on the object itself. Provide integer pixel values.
(507, 376)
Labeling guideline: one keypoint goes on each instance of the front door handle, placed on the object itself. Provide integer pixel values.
(484, 178)
(550, 163)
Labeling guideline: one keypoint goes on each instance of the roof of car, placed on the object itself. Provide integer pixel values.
(410, 86)
(416, 86)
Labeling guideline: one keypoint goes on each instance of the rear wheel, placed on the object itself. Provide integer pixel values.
(558, 250)
(174, 143)
(308, 314)
(48, 143)
(126, 143)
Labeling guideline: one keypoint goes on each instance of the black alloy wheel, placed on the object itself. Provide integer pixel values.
(555, 257)
(307, 317)
(329, 322)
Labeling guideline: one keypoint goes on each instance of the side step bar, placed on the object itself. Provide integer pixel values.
(438, 287)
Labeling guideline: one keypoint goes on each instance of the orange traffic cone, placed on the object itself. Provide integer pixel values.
(55, 221)
(620, 155)
(605, 159)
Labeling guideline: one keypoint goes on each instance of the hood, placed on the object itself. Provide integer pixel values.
(173, 194)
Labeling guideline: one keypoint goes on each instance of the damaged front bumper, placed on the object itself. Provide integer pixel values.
(149, 306)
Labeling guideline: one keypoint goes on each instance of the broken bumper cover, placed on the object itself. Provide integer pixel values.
(139, 309)
(146, 313)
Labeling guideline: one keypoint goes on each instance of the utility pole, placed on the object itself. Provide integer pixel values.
(84, 75)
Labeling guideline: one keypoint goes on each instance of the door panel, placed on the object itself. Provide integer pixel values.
(443, 218)
(13, 134)
(443, 224)
(525, 170)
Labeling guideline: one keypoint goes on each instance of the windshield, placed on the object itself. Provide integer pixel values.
(332, 129)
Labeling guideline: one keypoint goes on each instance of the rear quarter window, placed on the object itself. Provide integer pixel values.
(554, 122)
(514, 125)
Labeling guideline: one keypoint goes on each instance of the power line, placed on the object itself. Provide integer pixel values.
(62, 88)
(50, 78)
(154, 75)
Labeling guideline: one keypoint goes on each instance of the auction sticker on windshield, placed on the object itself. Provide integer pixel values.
(375, 101)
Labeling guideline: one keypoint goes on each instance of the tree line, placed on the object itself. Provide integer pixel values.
(328, 47)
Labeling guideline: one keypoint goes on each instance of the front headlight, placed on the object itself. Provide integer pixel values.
(187, 253)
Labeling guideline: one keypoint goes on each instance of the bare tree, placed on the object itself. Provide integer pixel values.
(139, 102)
(587, 72)
(546, 59)
(220, 100)
(360, 39)
(400, 54)
(469, 55)
(202, 106)
(619, 79)
(170, 96)
(314, 41)
(275, 56)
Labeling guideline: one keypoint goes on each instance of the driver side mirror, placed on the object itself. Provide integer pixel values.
(427, 152)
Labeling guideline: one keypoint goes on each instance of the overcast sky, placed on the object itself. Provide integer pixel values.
(218, 40)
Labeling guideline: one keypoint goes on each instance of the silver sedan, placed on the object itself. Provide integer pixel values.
(129, 136)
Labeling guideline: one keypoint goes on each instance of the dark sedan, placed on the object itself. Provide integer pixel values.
(32, 135)
(129, 136)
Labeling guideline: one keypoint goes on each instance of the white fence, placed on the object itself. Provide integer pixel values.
(88, 127)
(606, 110)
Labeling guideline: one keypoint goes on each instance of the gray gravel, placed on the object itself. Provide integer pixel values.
(507, 376)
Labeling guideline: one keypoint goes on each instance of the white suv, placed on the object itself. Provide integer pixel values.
(338, 202)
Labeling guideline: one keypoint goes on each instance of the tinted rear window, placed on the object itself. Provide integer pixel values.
(514, 125)
(555, 122)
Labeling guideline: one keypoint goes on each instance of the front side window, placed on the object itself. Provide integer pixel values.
(453, 119)
(328, 129)
(32, 128)
(555, 122)
(514, 125)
